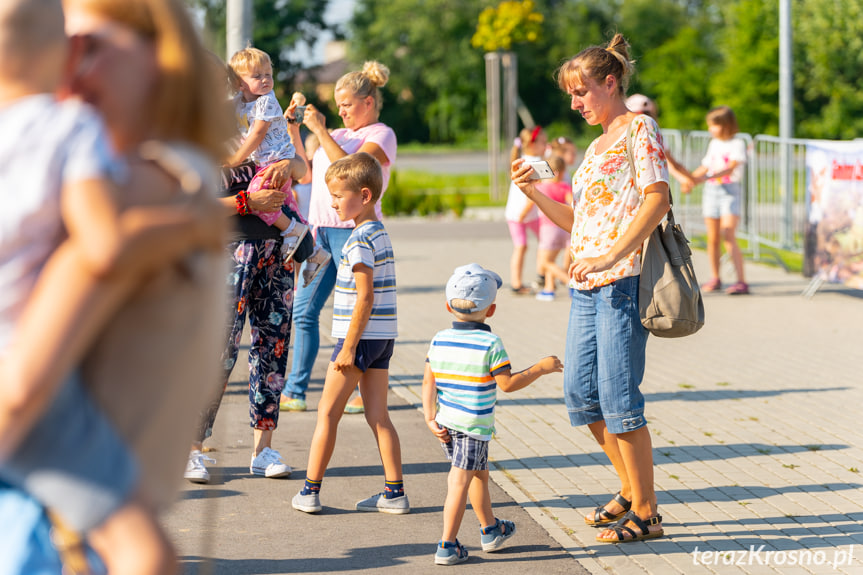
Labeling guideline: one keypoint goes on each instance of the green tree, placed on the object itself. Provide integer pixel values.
(278, 26)
(436, 90)
(748, 80)
(510, 22)
(828, 68)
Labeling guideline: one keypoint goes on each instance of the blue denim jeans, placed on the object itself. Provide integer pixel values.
(605, 353)
(308, 303)
(26, 547)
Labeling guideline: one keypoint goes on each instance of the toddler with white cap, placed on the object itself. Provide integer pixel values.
(464, 367)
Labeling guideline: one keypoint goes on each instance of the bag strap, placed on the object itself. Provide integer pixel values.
(670, 215)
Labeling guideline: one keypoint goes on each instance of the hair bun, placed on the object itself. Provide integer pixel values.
(377, 73)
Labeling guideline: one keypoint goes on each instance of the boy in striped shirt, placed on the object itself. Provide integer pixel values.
(364, 321)
(465, 366)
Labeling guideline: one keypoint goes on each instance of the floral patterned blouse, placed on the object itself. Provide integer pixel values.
(605, 199)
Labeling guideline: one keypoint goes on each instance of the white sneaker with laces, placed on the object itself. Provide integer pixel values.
(269, 464)
(196, 472)
(292, 237)
(316, 262)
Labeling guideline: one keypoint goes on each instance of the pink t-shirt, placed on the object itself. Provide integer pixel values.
(321, 213)
(607, 199)
(557, 191)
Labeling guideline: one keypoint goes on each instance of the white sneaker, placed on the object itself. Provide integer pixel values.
(195, 470)
(269, 464)
(310, 503)
(292, 237)
(315, 263)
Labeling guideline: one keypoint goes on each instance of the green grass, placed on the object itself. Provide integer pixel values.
(474, 186)
(791, 261)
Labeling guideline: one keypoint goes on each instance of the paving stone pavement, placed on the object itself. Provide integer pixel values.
(755, 419)
(755, 423)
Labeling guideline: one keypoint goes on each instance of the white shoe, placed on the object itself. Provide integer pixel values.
(291, 239)
(310, 503)
(315, 263)
(269, 464)
(195, 470)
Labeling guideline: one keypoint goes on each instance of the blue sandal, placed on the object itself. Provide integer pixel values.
(450, 553)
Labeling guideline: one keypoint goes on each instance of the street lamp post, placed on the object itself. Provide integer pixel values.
(239, 26)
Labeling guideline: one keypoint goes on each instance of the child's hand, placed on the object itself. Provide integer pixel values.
(344, 360)
(550, 364)
(440, 432)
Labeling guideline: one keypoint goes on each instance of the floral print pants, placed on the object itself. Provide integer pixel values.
(261, 285)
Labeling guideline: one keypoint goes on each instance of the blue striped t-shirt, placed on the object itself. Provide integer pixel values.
(368, 244)
(464, 361)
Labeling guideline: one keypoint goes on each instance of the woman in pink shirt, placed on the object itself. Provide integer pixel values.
(359, 101)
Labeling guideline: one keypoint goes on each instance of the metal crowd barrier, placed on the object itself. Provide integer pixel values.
(770, 217)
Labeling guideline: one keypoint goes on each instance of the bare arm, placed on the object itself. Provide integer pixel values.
(76, 296)
(509, 381)
(314, 120)
(527, 208)
(250, 144)
(430, 405)
(652, 211)
(364, 277)
(559, 213)
(700, 175)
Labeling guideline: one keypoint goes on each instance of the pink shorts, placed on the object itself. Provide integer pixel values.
(518, 231)
(551, 237)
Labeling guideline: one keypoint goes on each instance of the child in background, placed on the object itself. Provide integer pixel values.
(521, 214)
(565, 148)
(553, 239)
(266, 140)
(464, 367)
(364, 321)
(721, 171)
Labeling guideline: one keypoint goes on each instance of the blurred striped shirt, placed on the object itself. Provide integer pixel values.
(369, 244)
(464, 361)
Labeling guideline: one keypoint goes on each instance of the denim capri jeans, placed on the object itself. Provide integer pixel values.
(605, 349)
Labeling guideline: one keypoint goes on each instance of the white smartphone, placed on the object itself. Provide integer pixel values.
(541, 170)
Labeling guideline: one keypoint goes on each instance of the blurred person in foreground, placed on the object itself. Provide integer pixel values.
(97, 259)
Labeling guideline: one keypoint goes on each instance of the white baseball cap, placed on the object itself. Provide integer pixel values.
(475, 284)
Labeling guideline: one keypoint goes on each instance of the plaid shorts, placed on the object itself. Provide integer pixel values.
(466, 452)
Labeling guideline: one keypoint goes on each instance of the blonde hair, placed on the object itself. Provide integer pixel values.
(597, 63)
(558, 144)
(358, 171)
(185, 106)
(477, 315)
(246, 61)
(557, 164)
(368, 82)
(724, 117)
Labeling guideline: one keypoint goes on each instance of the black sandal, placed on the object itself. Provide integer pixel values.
(620, 527)
(601, 516)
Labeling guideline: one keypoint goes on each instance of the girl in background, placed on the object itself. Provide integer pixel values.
(521, 213)
(552, 238)
(721, 172)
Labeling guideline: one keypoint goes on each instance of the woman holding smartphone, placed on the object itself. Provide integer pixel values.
(614, 211)
(359, 101)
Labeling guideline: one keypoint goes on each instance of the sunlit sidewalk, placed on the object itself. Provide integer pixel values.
(755, 420)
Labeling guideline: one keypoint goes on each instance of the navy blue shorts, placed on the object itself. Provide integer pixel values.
(466, 452)
(371, 353)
